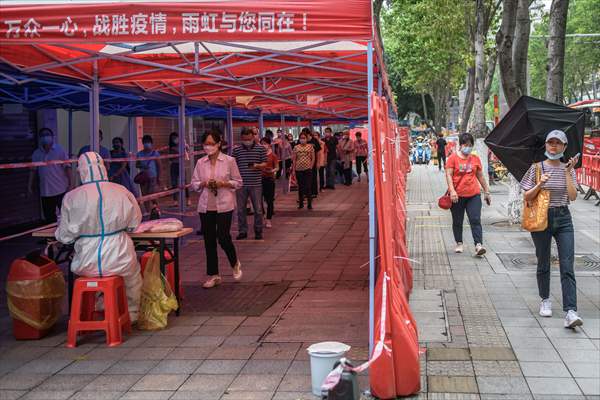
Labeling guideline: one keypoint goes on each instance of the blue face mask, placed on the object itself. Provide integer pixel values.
(466, 150)
(556, 156)
(148, 146)
(46, 140)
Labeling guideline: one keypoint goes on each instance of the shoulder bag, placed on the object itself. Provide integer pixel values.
(535, 212)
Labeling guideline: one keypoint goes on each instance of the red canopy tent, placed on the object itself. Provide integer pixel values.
(314, 59)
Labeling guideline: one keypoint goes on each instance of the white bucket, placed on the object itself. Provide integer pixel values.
(322, 358)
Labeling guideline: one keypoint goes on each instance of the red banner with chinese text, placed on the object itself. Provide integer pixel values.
(136, 22)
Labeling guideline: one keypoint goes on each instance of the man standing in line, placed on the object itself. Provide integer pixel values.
(55, 179)
(347, 155)
(331, 144)
(250, 158)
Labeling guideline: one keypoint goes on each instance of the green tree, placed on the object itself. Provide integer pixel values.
(427, 46)
(582, 54)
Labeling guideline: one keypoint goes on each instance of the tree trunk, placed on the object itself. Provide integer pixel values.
(504, 44)
(556, 51)
(521, 45)
(489, 74)
(377, 16)
(469, 97)
(479, 95)
(425, 116)
(440, 99)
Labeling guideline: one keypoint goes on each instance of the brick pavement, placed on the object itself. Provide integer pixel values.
(220, 356)
(476, 317)
(495, 346)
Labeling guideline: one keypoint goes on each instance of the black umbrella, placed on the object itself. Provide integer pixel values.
(518, 140)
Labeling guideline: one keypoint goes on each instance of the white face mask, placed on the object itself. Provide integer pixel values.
(210, 149)
(247, 143)
(302, 141)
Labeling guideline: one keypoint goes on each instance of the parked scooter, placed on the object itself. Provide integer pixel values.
(421, 152)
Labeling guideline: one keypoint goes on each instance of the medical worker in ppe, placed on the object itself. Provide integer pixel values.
(95, 216)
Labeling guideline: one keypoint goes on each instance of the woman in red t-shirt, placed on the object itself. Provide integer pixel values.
(464, 176)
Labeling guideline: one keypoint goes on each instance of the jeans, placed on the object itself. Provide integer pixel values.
(441, 156)
(255, 194)
(215, 227)
(288, 165)
(268, 192)
(331, 166)
(304, 179)
(49, 206)
(149, 187)
(347, 174)
(321, 178)
(560, 226)
(361, 162)
(314, 184)
(473, 207)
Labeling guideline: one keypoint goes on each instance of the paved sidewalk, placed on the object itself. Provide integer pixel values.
(215, 354)
(478, 317)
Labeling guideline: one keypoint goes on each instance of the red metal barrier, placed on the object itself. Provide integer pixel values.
(589, 173)
(396, 371)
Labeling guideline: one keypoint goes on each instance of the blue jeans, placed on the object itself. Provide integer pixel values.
(331, 166)
(255, 194)
(560, 226)
(472, 205)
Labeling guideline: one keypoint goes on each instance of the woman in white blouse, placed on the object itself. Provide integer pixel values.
(217, 177)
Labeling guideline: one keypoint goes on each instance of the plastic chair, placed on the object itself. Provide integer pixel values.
(83, 309)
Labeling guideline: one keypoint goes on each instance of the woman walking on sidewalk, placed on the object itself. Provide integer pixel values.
(268, 180)
(560, 180)
(464, 177)
(217, 177)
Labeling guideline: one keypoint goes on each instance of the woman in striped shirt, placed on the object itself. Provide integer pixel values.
(559, 179)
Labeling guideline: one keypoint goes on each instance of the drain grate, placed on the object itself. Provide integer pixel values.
(526, 261)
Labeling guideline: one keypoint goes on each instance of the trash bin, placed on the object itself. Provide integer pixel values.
(35, 289)
(322, 358)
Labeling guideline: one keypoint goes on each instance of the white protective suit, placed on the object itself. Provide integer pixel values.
(95, 216)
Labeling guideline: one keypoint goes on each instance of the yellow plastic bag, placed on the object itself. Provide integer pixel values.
(158, 300)
(37, 302)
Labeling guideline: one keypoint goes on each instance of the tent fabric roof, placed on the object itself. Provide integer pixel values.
(302, 58)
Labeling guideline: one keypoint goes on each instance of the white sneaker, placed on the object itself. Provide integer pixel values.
(268, 224)
(212, 282)
(546, 308)
(479, 250)
(459, 248)
(572, 320)
(237, 271)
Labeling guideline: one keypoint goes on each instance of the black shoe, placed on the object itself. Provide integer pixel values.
(300, 206)
(258, 236)
(241, 236)
(309, 206)
(249, 211)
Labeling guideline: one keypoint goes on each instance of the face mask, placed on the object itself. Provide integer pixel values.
(210, 149)
(556, 156)
(117, 146)
(466, 150)
(302, 141)
(46, 140)
(247, 143)
(148, 146)
(175, 141)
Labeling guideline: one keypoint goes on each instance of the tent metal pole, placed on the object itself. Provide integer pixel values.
(261, 124)
(182, 137)
(132, 133)
(70, 133)
(372, 241)
(230, 129)
(95, 111)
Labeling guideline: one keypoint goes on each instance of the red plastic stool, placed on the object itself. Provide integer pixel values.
(83, 309)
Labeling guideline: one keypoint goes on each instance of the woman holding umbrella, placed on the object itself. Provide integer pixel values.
(465, 179)
(560, 181)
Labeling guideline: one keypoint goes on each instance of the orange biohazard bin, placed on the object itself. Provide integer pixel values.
(35, 289)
